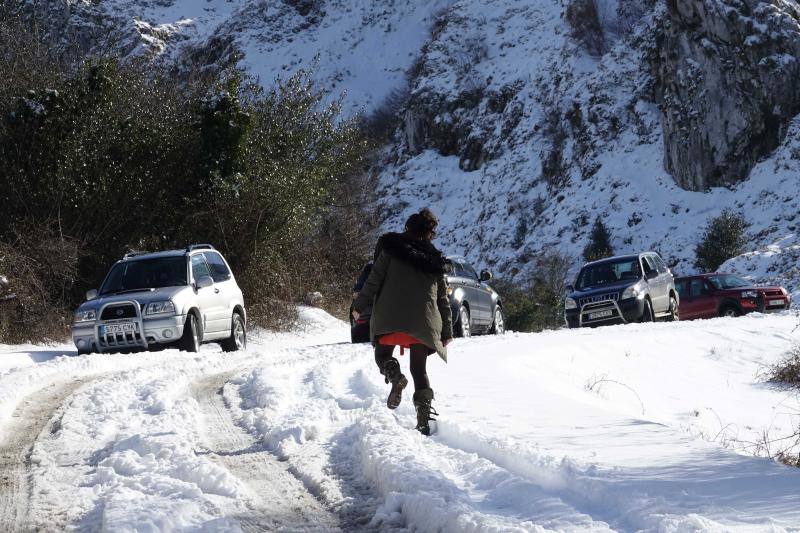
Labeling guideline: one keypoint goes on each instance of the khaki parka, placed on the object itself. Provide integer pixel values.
(409, 291)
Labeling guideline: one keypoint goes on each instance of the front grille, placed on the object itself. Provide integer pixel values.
(605, 305)
(116, 312)
(772, 294)
(609, 297)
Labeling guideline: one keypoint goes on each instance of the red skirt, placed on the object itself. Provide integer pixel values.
(403, 340)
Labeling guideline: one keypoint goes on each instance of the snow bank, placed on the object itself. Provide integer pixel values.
(639, 427)
(123, 452)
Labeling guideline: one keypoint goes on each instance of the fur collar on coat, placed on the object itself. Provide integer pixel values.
(420, 254)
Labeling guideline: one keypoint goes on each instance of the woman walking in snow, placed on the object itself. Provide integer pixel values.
(410, 310)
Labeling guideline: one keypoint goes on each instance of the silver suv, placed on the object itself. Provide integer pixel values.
(149, 300)
(622, 289)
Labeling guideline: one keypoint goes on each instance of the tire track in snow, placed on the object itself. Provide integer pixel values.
(303, 409)
(279, 500)
(30, 419)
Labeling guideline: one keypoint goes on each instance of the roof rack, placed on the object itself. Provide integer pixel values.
(134, 254)
(199, 247)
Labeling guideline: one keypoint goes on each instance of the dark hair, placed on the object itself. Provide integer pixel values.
(421, 225)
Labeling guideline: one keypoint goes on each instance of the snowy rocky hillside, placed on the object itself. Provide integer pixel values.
(520, 121)
(356, 47)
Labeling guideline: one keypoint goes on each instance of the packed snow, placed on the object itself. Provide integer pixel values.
(655, 427)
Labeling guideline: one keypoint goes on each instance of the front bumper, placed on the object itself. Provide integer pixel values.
(764, 304)
(621, 312)
(150, 331)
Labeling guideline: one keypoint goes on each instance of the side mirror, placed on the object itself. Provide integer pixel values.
(203, 282)
(485, 275)
(91, 294)
(652, 274)
(570, 288)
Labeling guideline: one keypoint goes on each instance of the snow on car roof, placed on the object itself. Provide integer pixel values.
(154, 255)
(615, 258)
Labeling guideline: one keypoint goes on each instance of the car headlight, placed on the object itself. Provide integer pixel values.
(784, 292)
(160, 308)
(85, 316)
(569, 303)
(749, 294)
(630, 292)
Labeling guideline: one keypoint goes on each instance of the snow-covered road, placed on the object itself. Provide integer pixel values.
(641, 427)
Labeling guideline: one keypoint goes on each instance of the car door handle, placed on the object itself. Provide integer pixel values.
(216, 291)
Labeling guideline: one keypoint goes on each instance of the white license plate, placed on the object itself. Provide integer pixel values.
(776, 302)
(122, 327)
(600, 314)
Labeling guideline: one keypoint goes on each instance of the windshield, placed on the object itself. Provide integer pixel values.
(728, 282)
(608, 272)
(146, 274)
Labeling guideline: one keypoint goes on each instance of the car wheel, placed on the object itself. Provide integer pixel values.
(463, 322)
(673, 310)
(730, 311)
(190, 341)
(499, 324)
(647, 314)
(238, 339)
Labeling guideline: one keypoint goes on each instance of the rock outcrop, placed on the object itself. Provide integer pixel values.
(729, 74)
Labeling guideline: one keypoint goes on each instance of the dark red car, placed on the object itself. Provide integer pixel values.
(720, 294)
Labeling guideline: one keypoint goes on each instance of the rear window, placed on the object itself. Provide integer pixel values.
(697, 288)
(680, 286)
(469, 272)
(219, 270)
(199, 267)
(662, 268)
(649, 264)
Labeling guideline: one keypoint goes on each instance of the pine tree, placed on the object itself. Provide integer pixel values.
(724, 238)
(599, 242)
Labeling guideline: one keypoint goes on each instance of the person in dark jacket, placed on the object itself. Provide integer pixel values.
(359, 328)
(408, 293)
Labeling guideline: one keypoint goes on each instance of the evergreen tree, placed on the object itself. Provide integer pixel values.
(599, 242)
(724, 238)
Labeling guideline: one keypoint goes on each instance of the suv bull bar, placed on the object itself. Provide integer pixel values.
(137, 339)
(602, 305)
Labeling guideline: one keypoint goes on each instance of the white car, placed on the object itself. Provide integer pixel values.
(150, 300)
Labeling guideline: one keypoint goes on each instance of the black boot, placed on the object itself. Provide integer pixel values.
(422, 402)
(391, 371)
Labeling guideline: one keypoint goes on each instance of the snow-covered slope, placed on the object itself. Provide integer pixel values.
(520, 129)
(649, 427)
(357, 48)
(520, 139)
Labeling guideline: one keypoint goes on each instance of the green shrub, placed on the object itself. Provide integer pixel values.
(787, 370)
(537, 303)
(723, 239)
(118, 156)
(41, 268)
